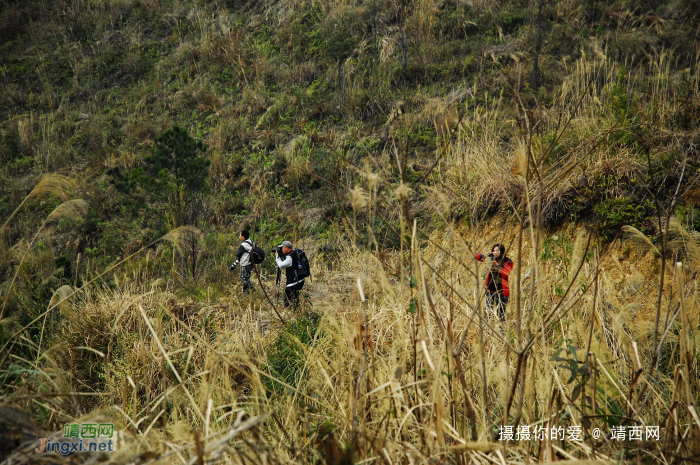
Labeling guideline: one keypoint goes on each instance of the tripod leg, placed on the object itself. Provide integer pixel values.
(268, 299)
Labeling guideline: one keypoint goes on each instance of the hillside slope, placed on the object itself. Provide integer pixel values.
(392, 141)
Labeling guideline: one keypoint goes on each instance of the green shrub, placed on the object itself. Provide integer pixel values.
(619, 212)
(287, 355)
(173, 175)
(511, 18)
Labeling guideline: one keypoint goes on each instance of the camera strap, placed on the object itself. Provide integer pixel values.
(252, 246)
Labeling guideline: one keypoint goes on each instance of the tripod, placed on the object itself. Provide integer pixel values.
(278, 283)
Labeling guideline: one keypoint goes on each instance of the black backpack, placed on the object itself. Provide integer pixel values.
(257, 255)
(301, 264)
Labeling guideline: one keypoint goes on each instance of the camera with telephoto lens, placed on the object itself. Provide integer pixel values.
(279, 251)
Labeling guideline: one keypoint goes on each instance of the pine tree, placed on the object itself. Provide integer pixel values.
(175, 174)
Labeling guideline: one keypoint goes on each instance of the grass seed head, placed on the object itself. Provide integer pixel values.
(56, 184)
(359, 199)
(179, 237)
(71, 209)
(403, 191)
(636, 236)
(61, 295)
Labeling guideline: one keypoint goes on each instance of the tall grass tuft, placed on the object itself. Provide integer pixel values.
(56, 184)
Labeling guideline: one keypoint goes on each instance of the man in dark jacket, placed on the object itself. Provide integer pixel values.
(294, 285)
(243, 257)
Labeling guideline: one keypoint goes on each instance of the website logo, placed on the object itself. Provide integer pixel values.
(81, 437)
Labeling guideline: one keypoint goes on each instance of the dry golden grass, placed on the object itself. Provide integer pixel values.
(430, 383)
(171, 374)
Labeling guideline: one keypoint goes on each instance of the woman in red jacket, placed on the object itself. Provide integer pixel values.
(497, 290)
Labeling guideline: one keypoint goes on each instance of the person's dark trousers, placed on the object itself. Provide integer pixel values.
(245, 274)
(291, 295)
(497, 301)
